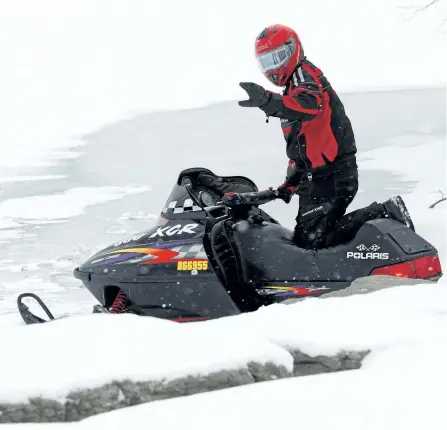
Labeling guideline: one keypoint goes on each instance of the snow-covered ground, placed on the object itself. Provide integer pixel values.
(399, 385)
(157, 357)
(76, 67)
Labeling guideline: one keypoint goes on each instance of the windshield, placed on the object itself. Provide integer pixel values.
(206, 193)
(179, 202)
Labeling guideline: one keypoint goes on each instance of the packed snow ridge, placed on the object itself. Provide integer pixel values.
(399, 333)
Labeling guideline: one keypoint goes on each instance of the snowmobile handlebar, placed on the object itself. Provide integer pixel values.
(249, 199)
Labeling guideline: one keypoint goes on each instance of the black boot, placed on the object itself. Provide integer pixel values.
(397, 210)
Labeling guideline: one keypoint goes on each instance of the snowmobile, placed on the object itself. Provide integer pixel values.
(205, 260)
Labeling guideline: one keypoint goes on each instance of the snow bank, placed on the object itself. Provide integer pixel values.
(377, 321)
(395, 390)
(90, 351)
(403, 327)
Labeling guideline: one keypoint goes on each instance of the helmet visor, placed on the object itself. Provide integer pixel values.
(274, 60)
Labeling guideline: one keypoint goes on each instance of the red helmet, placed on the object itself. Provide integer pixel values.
(278, 52)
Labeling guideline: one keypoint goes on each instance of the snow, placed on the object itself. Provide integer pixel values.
(404, 327)
(70, 67)
(6, 235)
(62, 293)
(391, 392)
(31, 154)
(426, 169)
(395, 388)
(61, 206)
(328, 326)
(40, 209)
(4, 179)
(66, 343)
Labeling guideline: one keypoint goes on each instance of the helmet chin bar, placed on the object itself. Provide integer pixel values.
(275, 79)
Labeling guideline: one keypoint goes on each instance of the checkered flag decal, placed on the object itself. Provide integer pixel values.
(372, 248)
(195, 250)
(188, 206)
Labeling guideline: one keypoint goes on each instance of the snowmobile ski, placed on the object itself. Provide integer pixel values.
(27, 315)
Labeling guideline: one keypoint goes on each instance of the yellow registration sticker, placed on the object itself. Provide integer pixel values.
(192, 265)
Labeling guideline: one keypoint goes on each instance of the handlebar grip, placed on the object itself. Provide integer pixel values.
(259, 198)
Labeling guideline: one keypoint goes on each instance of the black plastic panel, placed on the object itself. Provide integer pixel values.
(410, 242)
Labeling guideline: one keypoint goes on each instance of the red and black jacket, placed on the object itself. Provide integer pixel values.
(317, 130)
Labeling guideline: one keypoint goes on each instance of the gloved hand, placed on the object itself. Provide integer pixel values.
(251, 198)
(258, 96)
(285, 193)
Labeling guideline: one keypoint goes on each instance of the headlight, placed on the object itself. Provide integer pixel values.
(206, 198)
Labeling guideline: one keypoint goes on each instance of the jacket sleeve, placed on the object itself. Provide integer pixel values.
(293, 177)
(302, 102)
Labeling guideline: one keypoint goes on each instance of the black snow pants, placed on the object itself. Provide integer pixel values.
(321, 220)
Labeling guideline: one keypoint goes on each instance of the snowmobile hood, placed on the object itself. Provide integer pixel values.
(162, 244)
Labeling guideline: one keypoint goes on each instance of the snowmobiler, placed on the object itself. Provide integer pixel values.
(320, 143)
